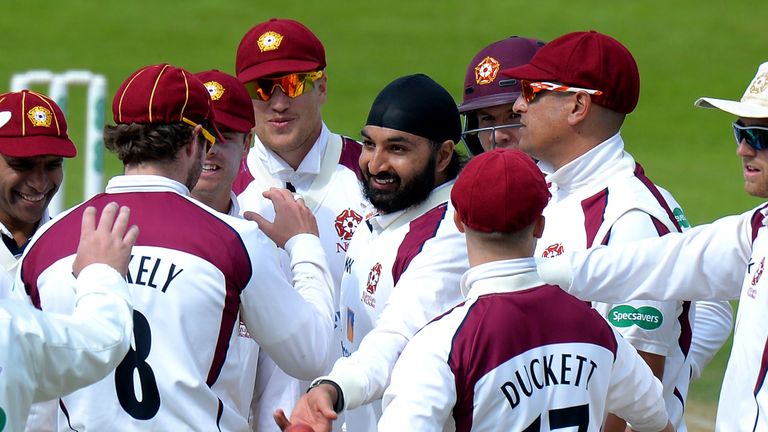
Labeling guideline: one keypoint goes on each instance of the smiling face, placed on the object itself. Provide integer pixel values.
(220, 168)
(399, 169)
(754, 162)
(27, 186)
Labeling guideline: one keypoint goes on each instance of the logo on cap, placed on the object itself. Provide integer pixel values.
(759, 84)
(269, 41)
(486, 70)
(215, 89)
(40, 116)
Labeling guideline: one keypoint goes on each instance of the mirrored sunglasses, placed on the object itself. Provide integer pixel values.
(293, 85)
(531, 89)
(755, 136)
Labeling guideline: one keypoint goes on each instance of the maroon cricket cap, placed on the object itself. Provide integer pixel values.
(589, 60)
(483, 85)
(164, 94)
(500, 191)
(31, 124)
(278, 46)
(231, 102)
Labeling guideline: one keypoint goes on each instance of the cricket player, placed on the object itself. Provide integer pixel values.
(282, 64)
(45, 356)
(194, 274)
(500, 361)
(32, 151)
(570, 123)
(709, 262)
(404, 262)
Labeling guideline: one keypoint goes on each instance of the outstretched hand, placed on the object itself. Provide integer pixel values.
(292, 217)
(314, 409)
(109, 242)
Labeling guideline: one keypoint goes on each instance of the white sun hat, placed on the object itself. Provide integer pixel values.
(754, 103)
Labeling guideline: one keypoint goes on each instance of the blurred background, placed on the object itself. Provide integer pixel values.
(685, 49)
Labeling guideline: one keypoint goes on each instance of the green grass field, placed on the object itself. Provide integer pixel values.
(685, 49)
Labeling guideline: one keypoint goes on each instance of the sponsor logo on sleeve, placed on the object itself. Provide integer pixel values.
(752, 292)
(680, 218)
(553, 250)
(645, 317)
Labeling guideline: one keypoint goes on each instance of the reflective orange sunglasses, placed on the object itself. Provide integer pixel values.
(293, 85)
(530, 89)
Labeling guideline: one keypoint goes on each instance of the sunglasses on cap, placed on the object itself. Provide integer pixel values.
(293, 85)
(530, 89)
(755, 136)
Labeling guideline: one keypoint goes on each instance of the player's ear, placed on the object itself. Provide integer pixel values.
(458, 222)
(538, 227)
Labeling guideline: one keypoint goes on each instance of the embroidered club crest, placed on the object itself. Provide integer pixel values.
(486, 70)
(269, 41)
(553, 250)
(760, 84)
(758, 272)
(40, 116)
(215, 89)
(346, 223)
(373, 279)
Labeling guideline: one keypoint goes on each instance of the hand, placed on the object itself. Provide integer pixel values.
(292, 217)
(314, 409)
(108, 243)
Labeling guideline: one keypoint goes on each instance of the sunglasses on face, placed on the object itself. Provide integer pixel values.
(531, 89)
(755, 136)
(293, 85)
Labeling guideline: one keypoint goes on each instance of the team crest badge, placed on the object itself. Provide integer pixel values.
(758, 272)
(553, 250)
(760, 84)
(215, 89)
(40, 116)
(346, 223)
(486, 70)
(269, 41)
(373, 279)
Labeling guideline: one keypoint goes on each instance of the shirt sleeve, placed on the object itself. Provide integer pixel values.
(292, 320)
(657, 334)
(422, 393)
(427, 288)
(711, 327)
(634, 394)
(705, 262)
(70, 352)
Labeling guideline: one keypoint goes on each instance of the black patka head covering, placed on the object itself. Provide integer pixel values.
(418, 105)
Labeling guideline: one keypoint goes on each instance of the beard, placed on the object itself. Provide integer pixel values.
(196, 169)
(407, 194)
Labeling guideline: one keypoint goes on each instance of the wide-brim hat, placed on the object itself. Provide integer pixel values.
(754, 102)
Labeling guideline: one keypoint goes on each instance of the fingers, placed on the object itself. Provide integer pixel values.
(121, 222)
(129, 240)
(281, 419)
(107, 218)
(255, 217)
(88, 222)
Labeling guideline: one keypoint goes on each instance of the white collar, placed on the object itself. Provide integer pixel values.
(500, 276)
(439, 195)
(144, 183)
(592, 165)
(278, 168)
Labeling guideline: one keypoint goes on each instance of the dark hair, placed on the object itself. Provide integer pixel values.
(137, 143)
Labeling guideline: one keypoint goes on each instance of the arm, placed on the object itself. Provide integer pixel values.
(711, 328)
(422, 393)
(426, 289)
(706, 262)
(643, 407)
(70, 352)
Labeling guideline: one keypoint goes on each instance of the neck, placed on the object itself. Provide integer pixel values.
(170, 171)
(20, 231)
(221, 202)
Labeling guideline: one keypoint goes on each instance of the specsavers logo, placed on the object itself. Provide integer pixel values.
(645, 317)
(680, 218)
(3, 419)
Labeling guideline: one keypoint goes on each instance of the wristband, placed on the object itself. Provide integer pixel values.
(339, 406)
